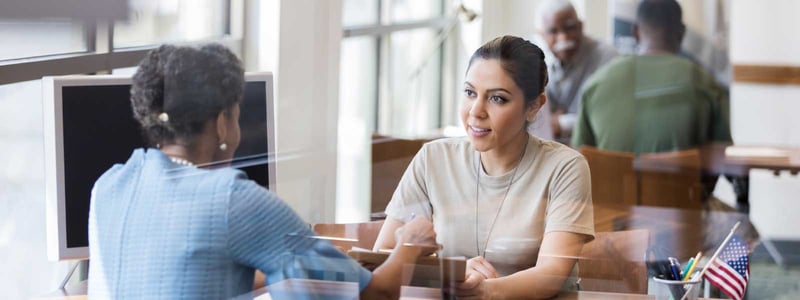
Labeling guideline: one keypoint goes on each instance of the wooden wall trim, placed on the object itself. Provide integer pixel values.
(766, 74)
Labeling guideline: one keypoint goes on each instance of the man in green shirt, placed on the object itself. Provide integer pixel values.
(655, 101)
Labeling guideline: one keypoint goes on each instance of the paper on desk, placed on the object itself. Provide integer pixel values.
(757, 152)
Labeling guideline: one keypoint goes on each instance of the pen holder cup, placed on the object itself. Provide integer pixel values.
(674, 289)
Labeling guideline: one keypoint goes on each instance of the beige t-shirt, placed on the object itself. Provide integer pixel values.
(551, 191)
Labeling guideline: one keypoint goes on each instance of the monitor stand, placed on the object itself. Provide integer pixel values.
(84, 264)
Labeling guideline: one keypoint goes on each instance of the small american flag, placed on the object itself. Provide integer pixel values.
(731, 269)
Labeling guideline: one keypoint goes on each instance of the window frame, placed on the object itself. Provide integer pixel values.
(381, 31)
(102, 57)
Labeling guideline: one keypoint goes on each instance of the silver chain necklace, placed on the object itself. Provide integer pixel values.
(497, 214)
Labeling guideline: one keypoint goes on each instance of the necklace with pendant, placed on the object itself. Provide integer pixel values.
(497, 214)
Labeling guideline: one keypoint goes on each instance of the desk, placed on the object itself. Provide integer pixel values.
(716, 162)
(78, 292)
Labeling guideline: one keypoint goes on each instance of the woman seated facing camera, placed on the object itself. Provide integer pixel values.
(162, 226)
(518, 206)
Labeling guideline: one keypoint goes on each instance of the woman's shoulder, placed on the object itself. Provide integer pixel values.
(123, 171)
(558, 152)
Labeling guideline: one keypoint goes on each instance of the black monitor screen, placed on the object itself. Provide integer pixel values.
(99, 131)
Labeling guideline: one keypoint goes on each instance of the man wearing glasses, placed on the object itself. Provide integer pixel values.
(571, 58)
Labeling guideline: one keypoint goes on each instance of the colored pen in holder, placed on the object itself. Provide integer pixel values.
(677, 291)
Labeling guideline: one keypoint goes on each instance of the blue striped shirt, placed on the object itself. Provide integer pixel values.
(161, 230)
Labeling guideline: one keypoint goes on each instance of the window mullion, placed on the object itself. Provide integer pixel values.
(89, 33)
(103, 43)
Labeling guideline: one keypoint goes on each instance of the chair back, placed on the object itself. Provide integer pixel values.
(614, 262)
(390, 158)
(670, 179)
(613, 176)
(667, 179)
(345, 236)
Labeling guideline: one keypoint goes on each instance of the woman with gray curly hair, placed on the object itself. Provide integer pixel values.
(166, 225)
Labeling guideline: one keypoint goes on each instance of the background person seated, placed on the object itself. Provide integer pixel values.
(571, 58)
(655, 101)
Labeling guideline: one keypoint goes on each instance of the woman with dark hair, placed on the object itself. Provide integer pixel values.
(164, 226)
(518, 206)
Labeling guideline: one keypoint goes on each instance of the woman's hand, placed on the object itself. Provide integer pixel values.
(482, 267)
(474, 287)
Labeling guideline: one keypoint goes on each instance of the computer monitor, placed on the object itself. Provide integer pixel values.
(89, 127)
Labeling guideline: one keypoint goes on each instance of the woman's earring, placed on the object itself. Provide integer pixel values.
(223, 146)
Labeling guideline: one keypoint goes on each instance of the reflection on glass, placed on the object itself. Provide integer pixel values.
(414, 78)
(22, 207)
(359, 12)
(153, 22)
(41, 38)
(357, 100)
(125, 71)
(414, 10)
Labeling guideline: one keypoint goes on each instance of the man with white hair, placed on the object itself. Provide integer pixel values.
(571, 58)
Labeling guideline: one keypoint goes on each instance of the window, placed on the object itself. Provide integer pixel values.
(390, 84)
(63, 36)
(61, 47)
(408, 60)
(414, 10)
(152, 22)
(360, 12)
(413, 74)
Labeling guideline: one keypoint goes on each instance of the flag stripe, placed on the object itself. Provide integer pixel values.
(732, 274)
(722, 271)
(731, 282)
(726, 289)
(723, 284)
(721, 279)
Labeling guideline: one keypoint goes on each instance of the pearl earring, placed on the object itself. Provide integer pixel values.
(223, 146)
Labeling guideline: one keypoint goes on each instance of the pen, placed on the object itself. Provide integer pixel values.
(675, 266)
(696, 261)
(685, 273)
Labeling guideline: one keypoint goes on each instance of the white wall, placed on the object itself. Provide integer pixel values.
(763, 114)
(596, 18)
(772, 196)
(299, 41)
(308, 87)
(767, 113)
(508, 17)
(765, 34)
